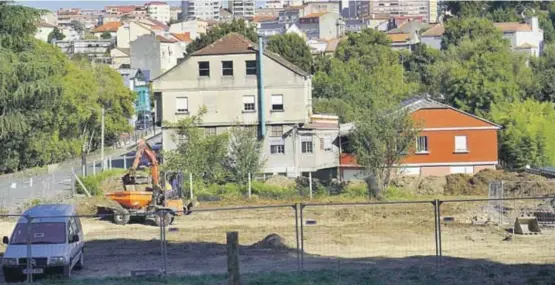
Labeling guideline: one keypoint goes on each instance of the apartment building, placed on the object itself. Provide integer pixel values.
(325, 26)
(194, 28)
(385, 9)
(201, 9)
(159, 11)
(224, 78)
(274, 4)
(157, 52)
(242, 8)
(175, 12)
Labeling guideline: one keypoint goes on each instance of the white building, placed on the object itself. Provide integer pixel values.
(242, 8)
(195, 28)
(274, 4)
(159, 11)
(156, 53)
(201, 9)
(43, 30)
(525, 37)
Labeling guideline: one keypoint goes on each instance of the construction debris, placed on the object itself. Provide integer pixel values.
(272, 241)
(527, 226)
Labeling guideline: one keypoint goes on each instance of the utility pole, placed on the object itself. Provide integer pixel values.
(102, 138)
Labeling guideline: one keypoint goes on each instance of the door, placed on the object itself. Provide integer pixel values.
(74, 249)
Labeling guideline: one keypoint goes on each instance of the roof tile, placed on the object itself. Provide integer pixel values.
(400, 37)
(435, 31)
(184, 37)
(108, 27)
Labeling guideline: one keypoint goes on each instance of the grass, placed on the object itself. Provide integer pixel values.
(495, 274)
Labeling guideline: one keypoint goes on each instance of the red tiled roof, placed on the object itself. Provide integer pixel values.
(185, 37)
(163, 39)
(435, 31)
(401, 37)
(232, 43)
(313, 15)
(513, 27)
(108, 27)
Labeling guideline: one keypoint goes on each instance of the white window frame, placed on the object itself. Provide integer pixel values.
(179, 110)
(224, 69)
(277, 149)
(307, 144)
(274, 131)
(427, 146)
(461, 144)
(249, 100)
(277, 100)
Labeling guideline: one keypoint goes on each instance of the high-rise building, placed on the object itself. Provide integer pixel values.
(242, 8)
(159, 11)
(385, 9)
(200, 9)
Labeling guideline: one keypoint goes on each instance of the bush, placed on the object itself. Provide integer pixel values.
(394, 193)
(214, 192)
(271, 191)
(92, 183)
(356, 190)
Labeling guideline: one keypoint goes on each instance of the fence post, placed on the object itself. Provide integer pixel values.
(310, 183)
(94, 167)
(110, 162)
(302, 236)
(434, 203)
(296, 207)
(29, 253)
(191, 185)
(250, 186)
(233, 258)
(439, 228)
(125, 161)
(31, 182)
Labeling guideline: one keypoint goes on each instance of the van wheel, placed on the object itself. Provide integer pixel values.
(81, 263)
(121, 218)
(67, 271)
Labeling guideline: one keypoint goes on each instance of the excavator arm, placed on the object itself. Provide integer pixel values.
(144, 148)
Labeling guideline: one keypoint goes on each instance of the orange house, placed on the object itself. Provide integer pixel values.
(451, 141)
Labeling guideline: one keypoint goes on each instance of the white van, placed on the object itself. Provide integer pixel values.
(57, 243)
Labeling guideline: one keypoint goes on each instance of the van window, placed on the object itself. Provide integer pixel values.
(41, 233)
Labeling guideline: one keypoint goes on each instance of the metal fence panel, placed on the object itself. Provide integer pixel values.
(469, 232)
(196, 243)
(362, 235)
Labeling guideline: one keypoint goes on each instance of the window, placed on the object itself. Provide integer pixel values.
(182, 105)
(210, 131)
(460, 144)
(422, 145)
(227, 68)
(276, 131)
(326, 143)
(248, 103)
(277, 102)
(204, 68)
(277, 148)
(251, 67)
(307, 144)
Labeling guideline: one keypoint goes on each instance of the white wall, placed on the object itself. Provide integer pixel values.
(145, 55)
(43, 32)
(433, 42)
(159, 12)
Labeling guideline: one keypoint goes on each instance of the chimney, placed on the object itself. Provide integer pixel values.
(535, 24)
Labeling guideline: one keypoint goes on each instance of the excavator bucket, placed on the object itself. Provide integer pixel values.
(527, 226)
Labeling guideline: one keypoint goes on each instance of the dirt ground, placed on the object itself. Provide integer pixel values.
(367, 236)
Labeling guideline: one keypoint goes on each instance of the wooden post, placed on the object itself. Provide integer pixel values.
(125, 161)
(94, 167)
(191, 185)
(250, 187)
(233, 258)
(310, 183)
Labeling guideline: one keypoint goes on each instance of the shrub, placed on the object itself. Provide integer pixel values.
(355, 190)
(271, 191)
(92, 183)
(394, 193)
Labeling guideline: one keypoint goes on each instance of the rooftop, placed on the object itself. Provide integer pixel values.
(400, 37)
(434, 31)
(50, 210)
(184, 37)
(313, 15)
(108, 27)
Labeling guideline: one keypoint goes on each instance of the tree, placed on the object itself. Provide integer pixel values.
(369, 47)
(419, 67)
(106, 35)
(380, 140)
(527, 138)
(457, 30)
(78, 26)
(201, 155)
(244, 154)
(222, 29)
(293, 48)
(17, 25)
(56, 34)
(544, 69)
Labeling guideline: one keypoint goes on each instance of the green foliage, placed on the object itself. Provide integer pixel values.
(528, 137)
(106, 35)
(544, 70)
(354, 190)
(293, 48)
(55, 35)
(222, 29)
(398, 194)
(78, 26)
(93, 183)
(272, 191)
(458, 30)
(244, 154)
(17, 26)
(380, 140)
(419, 66)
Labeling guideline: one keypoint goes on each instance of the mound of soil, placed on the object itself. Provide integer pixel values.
(272, 241)
(430, 185)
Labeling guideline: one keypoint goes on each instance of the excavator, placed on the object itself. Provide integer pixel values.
(160, 204)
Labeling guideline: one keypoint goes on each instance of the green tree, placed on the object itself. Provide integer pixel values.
(244, 156)
(17, 25)
(527, 137)
(56, 34)
(222, 29)
(369, 47)
(201, 155)
(419, 66)
(293, 48)
(544, 69)
(457, 30)
(106, 35)
(78, 26)
(380, 141)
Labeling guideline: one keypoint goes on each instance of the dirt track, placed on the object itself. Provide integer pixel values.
(340, 236)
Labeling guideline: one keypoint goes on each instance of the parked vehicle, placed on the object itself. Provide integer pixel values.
(56, 240)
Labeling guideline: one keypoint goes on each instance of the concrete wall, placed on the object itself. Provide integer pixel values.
(433, 42)
(328, 28)
(43, 32)
(223, 95)
(145, 55)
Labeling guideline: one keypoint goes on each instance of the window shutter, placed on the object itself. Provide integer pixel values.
(248, 99)
(277, 100)
(460, 143)
(182, 104)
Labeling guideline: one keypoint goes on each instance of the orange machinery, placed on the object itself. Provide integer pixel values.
(152, 202)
